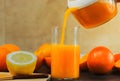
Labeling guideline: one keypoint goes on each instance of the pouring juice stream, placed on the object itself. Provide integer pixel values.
(66, 15)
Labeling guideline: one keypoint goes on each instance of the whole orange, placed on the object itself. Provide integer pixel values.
(43, 51)
(3, 54)
(100, 60)
(11, 47)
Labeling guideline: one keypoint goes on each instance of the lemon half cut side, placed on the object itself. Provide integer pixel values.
(21, 62)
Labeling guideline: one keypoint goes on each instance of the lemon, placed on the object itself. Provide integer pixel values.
(21, 62)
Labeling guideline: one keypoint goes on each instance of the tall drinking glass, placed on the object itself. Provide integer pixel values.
(65, 53)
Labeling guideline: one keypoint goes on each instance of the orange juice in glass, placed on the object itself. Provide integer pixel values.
(66, 55)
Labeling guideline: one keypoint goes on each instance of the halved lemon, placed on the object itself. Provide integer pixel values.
(21, 62)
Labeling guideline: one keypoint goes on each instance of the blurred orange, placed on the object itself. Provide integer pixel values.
(11, 47)
(43, 51)
(83, 62)
(100, 60)
(48, 61)
(117, 65)
(3, 54)
(117, 57)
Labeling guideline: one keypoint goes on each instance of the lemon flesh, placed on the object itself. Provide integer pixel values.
(21, 62)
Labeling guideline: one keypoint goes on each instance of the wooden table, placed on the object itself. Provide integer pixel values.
(84, 76)
(87, 76)
(27, 80)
